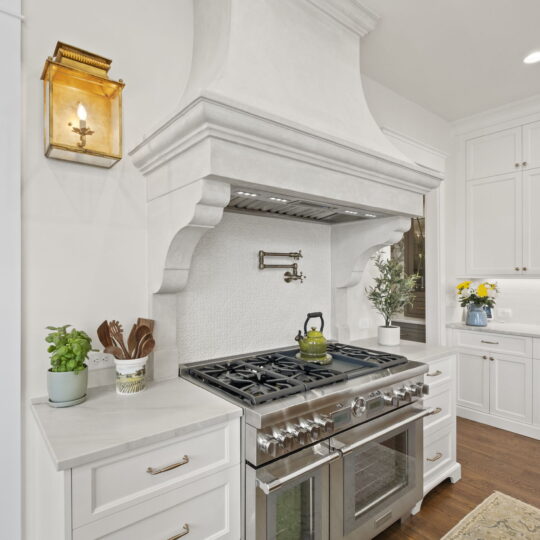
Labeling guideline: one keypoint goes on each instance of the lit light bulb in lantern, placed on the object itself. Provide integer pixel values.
(81, 113)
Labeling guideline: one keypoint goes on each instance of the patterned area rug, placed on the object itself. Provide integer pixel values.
(498, 517)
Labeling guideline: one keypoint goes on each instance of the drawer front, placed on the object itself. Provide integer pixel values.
(206, 509)
(113, 484)
(439, 371)
(442, 400)
(517, 345)
(438, 450)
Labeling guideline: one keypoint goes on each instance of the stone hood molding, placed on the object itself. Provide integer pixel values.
(274, 102)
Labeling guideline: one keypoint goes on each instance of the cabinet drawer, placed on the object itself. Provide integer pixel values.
(517, 345)
(443, 402)
(208, 509)
(439, 371)
(438, 450)
(113, 484)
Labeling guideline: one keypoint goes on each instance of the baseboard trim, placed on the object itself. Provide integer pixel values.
(502, 423)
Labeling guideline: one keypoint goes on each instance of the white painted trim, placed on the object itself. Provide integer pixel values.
(10, 273)
(414, 142)
(528, 430)
(11, 14)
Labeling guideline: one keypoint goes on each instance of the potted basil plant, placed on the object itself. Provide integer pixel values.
(67, 378)
(392, 292)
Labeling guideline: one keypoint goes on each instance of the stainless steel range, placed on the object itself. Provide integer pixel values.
(331, 452)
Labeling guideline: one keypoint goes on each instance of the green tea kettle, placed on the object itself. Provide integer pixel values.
(313, 344)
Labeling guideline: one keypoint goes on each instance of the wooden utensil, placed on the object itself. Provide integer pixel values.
(115, 328)
(104, 334)
(147, 347)
(146, 322)
(141, 332)
(115, 351)
(132, 341)
(140, 345)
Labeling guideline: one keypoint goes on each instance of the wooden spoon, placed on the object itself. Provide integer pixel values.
(132, 341)
(104, 335)
(148, 347)
(140, 345)
(115, 351)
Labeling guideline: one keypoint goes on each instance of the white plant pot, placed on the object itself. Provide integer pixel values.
(388, 335)
(130, 375)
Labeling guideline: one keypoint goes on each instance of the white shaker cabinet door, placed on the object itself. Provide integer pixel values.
(493, 154)
(531, 146)
(531, 222)
(494, 226)
(511, 387)
(473, 381)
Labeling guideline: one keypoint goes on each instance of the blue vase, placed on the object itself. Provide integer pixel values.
(476, 315)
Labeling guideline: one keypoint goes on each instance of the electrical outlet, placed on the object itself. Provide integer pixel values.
(100, 360)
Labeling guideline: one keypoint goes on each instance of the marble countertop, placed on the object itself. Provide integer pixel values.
(515, 329)
(107, 424)
(413, 350)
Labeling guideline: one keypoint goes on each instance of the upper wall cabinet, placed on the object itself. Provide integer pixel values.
(496, 153)
(503, 194)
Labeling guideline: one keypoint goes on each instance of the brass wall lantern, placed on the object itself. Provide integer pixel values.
(83, 108)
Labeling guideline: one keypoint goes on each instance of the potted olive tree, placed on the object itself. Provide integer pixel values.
(67, 378)
(392, 292)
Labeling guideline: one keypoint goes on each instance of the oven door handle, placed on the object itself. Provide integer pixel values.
(272, 486)
(413, 418)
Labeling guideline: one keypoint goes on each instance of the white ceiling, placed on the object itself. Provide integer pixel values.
(454, 57)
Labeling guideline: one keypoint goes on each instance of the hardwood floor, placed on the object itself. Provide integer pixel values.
(491, 460)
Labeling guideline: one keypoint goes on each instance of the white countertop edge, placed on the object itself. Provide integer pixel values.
(523, 330)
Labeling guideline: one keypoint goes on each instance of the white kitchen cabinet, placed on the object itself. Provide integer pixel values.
(531, 145)
(494, 386)
(502, 192)
(473, 381)
(510, 393)
(494, 225)
(496, 153)
(531, 221)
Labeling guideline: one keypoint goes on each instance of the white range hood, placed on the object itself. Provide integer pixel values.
(274, 107)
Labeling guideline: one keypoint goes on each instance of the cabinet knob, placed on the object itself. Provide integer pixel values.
(524, 268)
(516, 165)
(524, 163)
(492, 359)
(485, 357)
(516, 268)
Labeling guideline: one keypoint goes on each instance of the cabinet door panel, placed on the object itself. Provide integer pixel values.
(494, 226)
(496, 153)
(531, 145)
(473, 381)
(531, 222)
(511, 387)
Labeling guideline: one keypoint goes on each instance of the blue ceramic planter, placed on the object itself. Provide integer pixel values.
(476, 315)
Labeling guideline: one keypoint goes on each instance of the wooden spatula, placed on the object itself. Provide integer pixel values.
(132, 341)
(146, 322)
(115, 328)
(104, 334)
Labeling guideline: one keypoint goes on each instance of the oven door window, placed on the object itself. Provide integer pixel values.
(377, 472)
(295, 512)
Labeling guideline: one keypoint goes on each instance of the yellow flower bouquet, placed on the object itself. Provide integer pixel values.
(482, 294)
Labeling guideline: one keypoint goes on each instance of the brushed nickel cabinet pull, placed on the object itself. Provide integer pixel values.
(185, 530)
(435, 373)
(489, 342)
(153, 471)
(524, 268)
(524, 163)
(516, 268)
(516, 165)
(485, 357)
(437, 410)
(436, 457)
(491, 358)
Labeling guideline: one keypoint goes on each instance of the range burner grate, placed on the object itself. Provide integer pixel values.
(260, 378)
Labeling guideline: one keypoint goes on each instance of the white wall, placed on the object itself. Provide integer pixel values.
(84, 240)
(10, 229)
(230, 306)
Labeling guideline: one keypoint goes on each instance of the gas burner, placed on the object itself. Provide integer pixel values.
(264, 377)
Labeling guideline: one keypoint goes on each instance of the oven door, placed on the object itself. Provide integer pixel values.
(288, 498)
(380, 477)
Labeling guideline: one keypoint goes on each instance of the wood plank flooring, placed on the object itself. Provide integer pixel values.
(491, 460)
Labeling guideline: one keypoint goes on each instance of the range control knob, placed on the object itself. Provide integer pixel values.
(391, 400)
(403, 395)
(312, 428)
(299, 433)
(268, 444)
(358, 406)
(284, 438)
(417, 389)
(326, 423)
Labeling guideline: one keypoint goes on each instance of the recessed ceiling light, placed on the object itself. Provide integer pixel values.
(532, 58)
